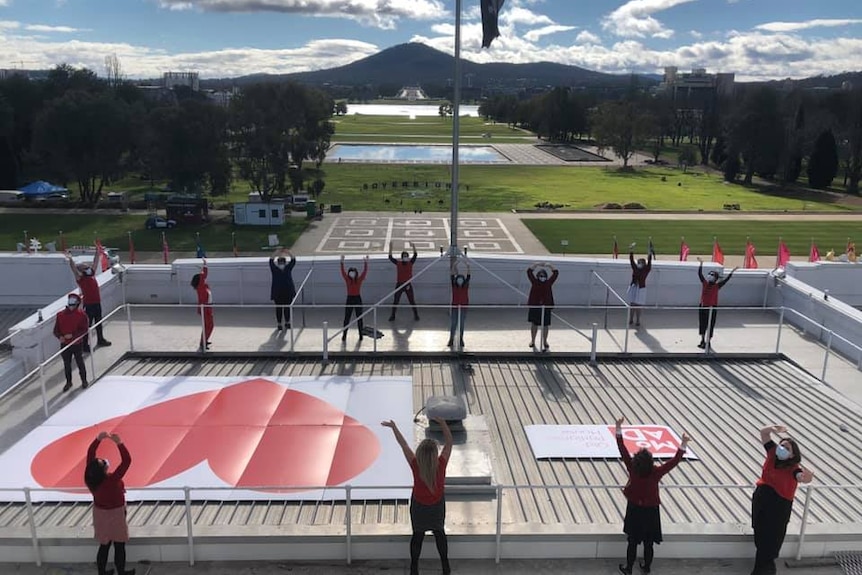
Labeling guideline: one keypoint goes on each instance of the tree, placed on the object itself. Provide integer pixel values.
(84, 136)
(8, 167)
(340, 108)
(621, 126)
(823, 163)
(688, 156)
(854, 141)
(756, 130)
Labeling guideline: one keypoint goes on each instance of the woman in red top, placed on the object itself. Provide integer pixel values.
(404, 280)
(109, 504)
(643, 516)
(460, 299)
(205, 301)
(637, 288)
(353, 280)
(772, 501)
(70, 327)
(428, 502)
(85, 277)
(541, 301)
(709, 301)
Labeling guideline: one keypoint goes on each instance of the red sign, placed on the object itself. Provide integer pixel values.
(657, 439)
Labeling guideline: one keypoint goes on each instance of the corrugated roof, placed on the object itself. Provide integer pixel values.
(722, 403)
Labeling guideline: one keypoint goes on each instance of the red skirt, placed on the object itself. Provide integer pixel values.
(110, 525)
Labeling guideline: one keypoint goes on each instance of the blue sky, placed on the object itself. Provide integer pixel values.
(756, 39)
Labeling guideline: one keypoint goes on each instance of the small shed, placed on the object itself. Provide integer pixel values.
(258, 214)
(187, 209)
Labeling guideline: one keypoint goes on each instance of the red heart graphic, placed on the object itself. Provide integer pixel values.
(253, 434)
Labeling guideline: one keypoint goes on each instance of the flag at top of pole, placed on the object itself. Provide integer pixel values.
(490, 13)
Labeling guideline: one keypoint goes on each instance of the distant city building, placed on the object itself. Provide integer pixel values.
(189, 79)
(692, 90)
(222, 97)
(411, 93)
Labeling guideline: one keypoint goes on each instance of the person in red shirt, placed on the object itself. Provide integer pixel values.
(643, 516)
(541, 301)
(710, 286)
(109, 504)
(460, 300)
(772, 501)
(70, 327)
(428, 501)
(353, 280)
(85, 277)
(636, 294)
(205, 301)
(404, 280)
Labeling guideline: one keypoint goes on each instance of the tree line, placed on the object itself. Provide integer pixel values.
(76, 128)
(757, 129)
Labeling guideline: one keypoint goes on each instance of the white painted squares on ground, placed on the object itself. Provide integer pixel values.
(419, 233)
(485, 246)
(417, 223)
(478, 234)
(473, 223)
(359, 222)
(353, 245)
(421, 245)
(359, 233)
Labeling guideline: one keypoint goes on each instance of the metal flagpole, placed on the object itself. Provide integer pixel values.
(456, 126)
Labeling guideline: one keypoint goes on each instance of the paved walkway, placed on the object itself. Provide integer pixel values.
(507, 567)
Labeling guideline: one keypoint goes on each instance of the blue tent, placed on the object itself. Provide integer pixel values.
(41, 188)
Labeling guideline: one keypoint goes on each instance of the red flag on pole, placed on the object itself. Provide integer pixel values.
(62, 242)
(165, 251)
(814, 254)
(235, 250)
(616, 249)
(717, 254)
(783, 255)
(683, 251)
(750, 262)
(131, 249)
(104, 263)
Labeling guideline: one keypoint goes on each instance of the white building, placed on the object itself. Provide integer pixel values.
(188, 79)
(412, 93)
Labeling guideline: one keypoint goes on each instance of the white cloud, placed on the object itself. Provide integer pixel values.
(818, 23)
(380, 13)
(587, 37)
(4, 2)
(9, 25)
(695, 34)
(59, 29)
(634, 18)
(534, 35)
(518, 15)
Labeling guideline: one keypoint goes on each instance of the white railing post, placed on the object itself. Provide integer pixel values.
(189, 531)
(708, 335)
(203, 329)
(374, 336)
(44, 390)
(590, 290)
(349, 526)
(594, 343)
(129, 324)
(31, 519)
(780, 325)
(290, 321)
(809, 492)
(325, 341)
(93, 344)
(499, 534)
(626, 340)
(826, 355)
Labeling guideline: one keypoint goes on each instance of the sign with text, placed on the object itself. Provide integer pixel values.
(598, 441)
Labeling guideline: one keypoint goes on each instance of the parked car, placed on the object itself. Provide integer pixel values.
(158, 222)
(11, 195)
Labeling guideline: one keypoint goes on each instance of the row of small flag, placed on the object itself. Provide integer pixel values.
(200, 252)
(750, 260)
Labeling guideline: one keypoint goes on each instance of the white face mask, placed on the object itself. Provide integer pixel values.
(459, 280)
(782, 453)
(88, 272)
(352, 274)
(542, 278)
(640, 266)
(405, 258)
(72, 303)
(281, 266)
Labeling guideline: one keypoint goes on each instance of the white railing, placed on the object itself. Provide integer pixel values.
(499, 489)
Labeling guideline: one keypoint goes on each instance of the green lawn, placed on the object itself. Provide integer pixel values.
(82, 229)
(597, 236)
(400, 128)
(503, 188)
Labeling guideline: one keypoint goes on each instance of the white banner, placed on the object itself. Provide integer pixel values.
(599, 441)
(236, 433)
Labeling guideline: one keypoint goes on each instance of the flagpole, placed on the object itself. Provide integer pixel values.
(456, 127)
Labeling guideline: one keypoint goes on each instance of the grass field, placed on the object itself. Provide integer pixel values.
(82, 229)
(503, 188)
(597, 236)
(431, 129)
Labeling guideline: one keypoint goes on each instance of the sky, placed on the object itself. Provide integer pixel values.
(755, 39)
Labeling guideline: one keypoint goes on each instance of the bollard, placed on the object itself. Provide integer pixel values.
(594, 344)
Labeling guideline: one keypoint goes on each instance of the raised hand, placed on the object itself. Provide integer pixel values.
(779, 429)
(102, 436)
(390, 424)
(115, 438)
(620, 421)
(686, 439)
(807, 476)
(342, 257)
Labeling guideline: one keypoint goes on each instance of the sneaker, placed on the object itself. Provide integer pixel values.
(86, 349)
(391, 318)
(344, 337)
(279, 328)
(68, 386)
(209, 344)
(84, 384)
(287, 325)
(103, 343)
(625, 570)
(702, 345)
(449, 343)
(644, 567)
(637, 324)
(462, 343)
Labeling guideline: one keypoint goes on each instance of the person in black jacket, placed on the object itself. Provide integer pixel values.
(282, 291)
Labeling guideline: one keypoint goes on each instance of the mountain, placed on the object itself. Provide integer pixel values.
(417, 64)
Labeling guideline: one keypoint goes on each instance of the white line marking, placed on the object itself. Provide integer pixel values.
(388, 240)
(327, 235)
(509, 235)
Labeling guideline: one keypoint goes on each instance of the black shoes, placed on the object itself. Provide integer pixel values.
(85, 385)
(644, 567)
(392, 317)
(279, 328)
(67, 387)
(103, 343)
(625, 570)
(702, 344)
(415, 317)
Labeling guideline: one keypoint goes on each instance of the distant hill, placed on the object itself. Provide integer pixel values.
(418, 64)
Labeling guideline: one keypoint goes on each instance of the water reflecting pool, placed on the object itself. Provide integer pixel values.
(383, 153)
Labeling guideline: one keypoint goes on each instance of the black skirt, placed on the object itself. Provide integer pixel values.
(642, 524)
(427, 517)
(535, 316)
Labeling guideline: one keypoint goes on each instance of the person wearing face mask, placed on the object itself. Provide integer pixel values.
(85, 277)
(205, 302)
(541, 297)
(353, 280)
(404, 280)
(460, 300)
(710, 286)
(109, 504)
(282, 291)
(772, 502)
(70, 327)
(636, 294)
